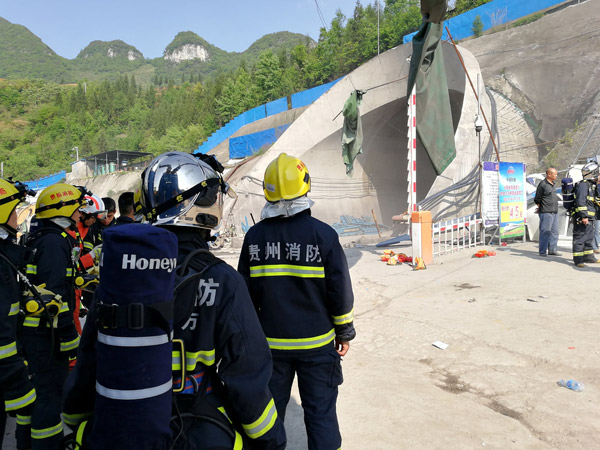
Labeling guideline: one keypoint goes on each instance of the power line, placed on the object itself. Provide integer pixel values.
(321, 15)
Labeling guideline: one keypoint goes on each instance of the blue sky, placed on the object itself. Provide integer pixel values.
(68, 26)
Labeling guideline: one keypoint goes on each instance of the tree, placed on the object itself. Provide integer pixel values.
(268, 75)
(477, 27)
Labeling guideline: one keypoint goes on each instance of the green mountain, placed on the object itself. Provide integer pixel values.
(24, 55)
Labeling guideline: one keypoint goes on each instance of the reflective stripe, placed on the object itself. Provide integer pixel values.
(282, 270)
(133, 394)
(263, 424)
(577, 253)
(70, 345)
(46, 432)
(14, 309)
(69, 272)
(64, 308)
(88, 245)
(31, 322)
(79, 435)
(23, 420)
(206, 357)
(176, 360)
(8, 350)
(239, 443)
(31, 269)
(301, 344)
(588, 252)
(344, 318)
(143, 341)
(581, 208)
(21, 402)
(75, 419)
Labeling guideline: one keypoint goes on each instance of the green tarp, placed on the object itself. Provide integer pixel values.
(435, 130)
(352, 135)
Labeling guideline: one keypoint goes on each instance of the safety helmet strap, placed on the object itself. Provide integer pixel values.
(158, 210)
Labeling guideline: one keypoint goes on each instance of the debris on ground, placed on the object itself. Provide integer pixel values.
(441, 345)
(484, 253)
(392, 258)
(419, 264)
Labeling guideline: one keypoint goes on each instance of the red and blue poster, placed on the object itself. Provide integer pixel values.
(511, 194)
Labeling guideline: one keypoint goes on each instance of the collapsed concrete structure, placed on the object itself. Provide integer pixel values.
(379, 181)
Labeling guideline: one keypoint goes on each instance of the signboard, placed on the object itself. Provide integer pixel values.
(489, 194)
(511, 196)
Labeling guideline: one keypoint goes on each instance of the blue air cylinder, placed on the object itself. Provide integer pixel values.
(133, 375)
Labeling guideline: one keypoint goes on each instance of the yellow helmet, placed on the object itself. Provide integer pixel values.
(286, 178)
(11, 194)
(58, 200)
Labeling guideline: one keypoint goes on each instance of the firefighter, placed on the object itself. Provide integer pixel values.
(48, 341)
(104, 222)
(226, 356)
(89, 249)
(17, 392)
(584, 216)
(298, 278)
(126, 208)
(91, 212)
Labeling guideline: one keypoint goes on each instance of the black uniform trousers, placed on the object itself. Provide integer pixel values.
(48, 375)
(319, 375)
(583, 236)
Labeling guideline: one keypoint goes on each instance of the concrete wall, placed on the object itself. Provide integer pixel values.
(379, 178)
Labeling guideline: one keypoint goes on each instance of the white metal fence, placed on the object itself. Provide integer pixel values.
(453, 235)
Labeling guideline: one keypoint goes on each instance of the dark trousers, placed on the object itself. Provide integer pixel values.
(48, 376)
(2, 421)
(319, 375)
(583, 236)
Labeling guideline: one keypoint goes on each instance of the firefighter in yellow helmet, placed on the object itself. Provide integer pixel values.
(17, 392)
(298, 278)
(49, 341)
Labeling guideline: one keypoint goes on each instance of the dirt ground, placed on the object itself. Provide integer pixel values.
(515, 324)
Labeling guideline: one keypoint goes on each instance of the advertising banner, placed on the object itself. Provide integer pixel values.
(511, 194)
(489, 194)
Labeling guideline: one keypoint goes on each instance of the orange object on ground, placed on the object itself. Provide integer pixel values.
(422, 235)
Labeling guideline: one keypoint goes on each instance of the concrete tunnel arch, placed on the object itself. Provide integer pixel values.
(379, 181)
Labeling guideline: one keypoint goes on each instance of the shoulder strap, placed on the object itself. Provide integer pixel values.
(208, 260)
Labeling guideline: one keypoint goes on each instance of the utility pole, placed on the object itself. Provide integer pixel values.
(76, 153)
(377, 3)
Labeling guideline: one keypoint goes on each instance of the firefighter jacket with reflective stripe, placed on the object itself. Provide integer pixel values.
(16, 389)
(53, 265)
(298, 278)
(585, 200)
(215, 319)
(86, 260)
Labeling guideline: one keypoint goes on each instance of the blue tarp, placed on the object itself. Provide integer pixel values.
(307, 97)
(461, 26)
(277, 106)
(242, 146)
(43, 183)
(260, 112)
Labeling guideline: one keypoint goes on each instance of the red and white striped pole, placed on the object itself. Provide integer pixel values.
(412, 152)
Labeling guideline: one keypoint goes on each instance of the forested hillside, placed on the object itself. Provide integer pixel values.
(41, 121)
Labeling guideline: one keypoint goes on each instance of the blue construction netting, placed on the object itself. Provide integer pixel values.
(260, 112)
(277, 106)
(307, 97)
(495, 11)
(43, 183)
(242, 146)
